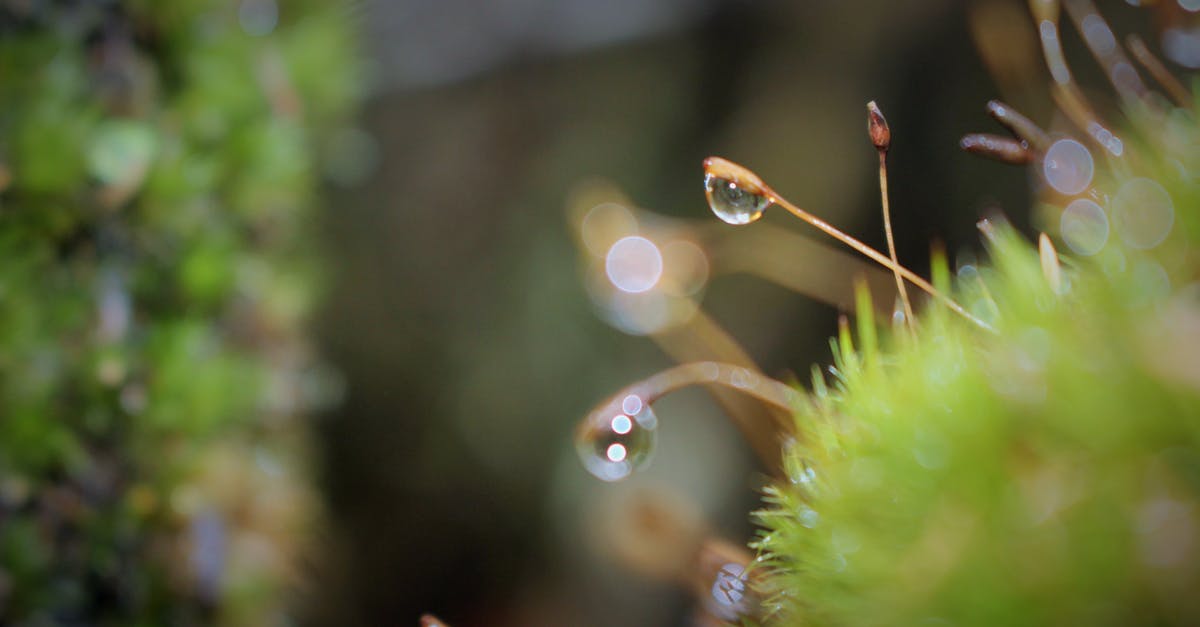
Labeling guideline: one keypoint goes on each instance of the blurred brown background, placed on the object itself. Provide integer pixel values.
(458, 317)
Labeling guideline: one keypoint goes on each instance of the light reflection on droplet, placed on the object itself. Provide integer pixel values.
(1097, 33)
(1068, 166)
(1058, 68)
(731, 203)
(808, 517)
(1190, 5)
(899, 318)
(1143, 213)
(604, 224)
(1105, 138)
(632, 405)
(1182, 45)
(1125, 77)
(614, 446)
(1084, 227)
(634, 264)
(729, 592)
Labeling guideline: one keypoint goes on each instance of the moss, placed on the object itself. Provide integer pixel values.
(1042, 474)
(162, 165)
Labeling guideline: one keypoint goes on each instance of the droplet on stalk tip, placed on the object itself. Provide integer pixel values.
(617, 439)
(735, 194)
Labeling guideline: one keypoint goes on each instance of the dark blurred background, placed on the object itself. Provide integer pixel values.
(458, 316)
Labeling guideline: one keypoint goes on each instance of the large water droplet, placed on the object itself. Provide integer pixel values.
(618, 440)
(634, 264)
(1068, 167)
(731, 202)
(1143, 212)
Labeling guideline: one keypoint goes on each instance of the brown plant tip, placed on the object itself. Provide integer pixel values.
(1018, 124)
(734, 173)
(877, 127)
(996, 147)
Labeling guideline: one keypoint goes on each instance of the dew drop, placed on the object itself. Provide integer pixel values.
(121, 152)
(1084, 227)
(1143, 213)
(729, 592)
(1182, 45)
(1098, 34)
(808, 517)
(613, 445)
(731, 202)
(1068, 166)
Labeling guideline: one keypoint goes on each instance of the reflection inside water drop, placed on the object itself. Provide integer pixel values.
(733, 204)
(616, 441)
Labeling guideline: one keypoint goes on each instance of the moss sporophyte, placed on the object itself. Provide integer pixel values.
(1024, 448)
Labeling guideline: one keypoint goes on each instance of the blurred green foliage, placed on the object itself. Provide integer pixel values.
(158, 175)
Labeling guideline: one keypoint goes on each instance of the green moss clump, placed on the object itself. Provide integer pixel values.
(1044, 474)
(158, 178)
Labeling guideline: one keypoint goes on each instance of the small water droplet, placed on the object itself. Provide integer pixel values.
(1098, 34)
(731, 202)
(612, 445)
(1084, 226)
(808, 517)
(741, 378)
(1182, 45)
(899, 319)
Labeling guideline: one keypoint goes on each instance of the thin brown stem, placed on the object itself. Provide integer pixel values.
(1155, 67)
(891, 242)
(879, 258)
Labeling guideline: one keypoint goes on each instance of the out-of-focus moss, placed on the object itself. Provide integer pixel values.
(159, 167)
